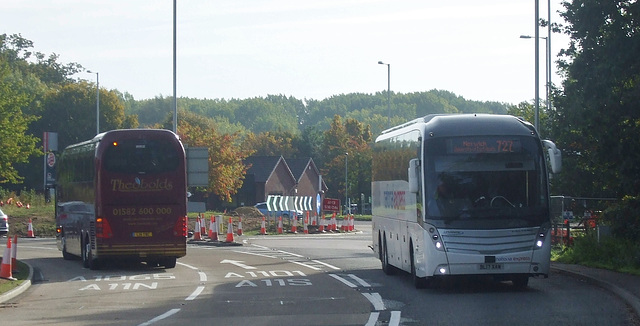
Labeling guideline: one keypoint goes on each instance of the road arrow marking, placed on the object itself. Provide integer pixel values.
(237, 263)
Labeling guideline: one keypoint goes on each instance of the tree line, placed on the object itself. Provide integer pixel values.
(594, 118)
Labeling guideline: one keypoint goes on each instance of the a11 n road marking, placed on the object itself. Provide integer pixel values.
(122, 282)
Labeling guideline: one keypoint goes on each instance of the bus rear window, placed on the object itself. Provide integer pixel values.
(139, 156)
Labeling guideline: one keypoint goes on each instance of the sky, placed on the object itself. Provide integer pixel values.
(311, 49)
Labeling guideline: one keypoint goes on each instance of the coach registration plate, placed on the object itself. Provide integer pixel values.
(485, 267)
(142, 234)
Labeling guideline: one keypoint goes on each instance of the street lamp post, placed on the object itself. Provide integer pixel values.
(346, 182)
(97, 100)
(547, 77)
(388, 92)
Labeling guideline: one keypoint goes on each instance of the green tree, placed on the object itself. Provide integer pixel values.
(17, 145)
(226, 170)
(271, 143)
(597, 121)
(350, 137)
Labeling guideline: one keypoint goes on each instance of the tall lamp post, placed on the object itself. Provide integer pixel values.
(548, 76)
(388, 92)
(346, 182)
(97, 100)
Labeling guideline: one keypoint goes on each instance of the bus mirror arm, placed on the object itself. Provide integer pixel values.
(414, 184)
(555, 156)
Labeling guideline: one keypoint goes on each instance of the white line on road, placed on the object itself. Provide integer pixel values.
(360, 281)
(395, 318)
(347, 283)
(376, 300)
(305, 265)
(373, 319)
(325, 264)
(188, 266)
(203, 276)
(195, 293)
(161, 317)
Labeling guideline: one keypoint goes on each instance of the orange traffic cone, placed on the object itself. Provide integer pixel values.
(230, 231)
(294, 225)
(334, 223)
(263, 228)
(30, 233)
(280, 225)
(240, 226)
(196, 232)
(305, 224)
(203, 227)
(321, 226)
(213, 229)
(5, 270)
(14, 254)
(352, 224)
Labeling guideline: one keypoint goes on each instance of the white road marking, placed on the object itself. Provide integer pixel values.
(195, 293)
(325, 264)
(376, 300)
(395, 318)
(373, 319)
(347, 283)
(161, 317)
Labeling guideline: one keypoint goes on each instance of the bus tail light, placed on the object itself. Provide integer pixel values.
(103, 229)
(180, 229)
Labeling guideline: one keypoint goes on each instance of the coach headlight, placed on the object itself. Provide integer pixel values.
(436, 240)
(541, 237)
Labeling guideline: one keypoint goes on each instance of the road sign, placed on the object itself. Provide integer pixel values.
(331, 204)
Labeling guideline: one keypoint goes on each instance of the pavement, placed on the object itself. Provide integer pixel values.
(624, 286)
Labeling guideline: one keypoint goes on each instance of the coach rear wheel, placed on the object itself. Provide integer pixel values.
(386, 267)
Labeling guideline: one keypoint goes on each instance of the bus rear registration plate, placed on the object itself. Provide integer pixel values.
(142, 234)
(488, 267)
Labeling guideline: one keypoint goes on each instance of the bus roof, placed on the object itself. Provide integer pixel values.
(97, 138)
(448, 125)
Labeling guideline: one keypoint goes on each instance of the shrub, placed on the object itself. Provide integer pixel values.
(624, 218)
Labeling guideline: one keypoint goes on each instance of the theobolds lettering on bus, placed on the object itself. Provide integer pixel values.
(141, 185)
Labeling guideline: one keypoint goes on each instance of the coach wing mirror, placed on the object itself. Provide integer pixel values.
(414, 165)
(555, 156)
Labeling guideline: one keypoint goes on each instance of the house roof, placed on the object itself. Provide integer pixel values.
(262, 167)
(298, 166)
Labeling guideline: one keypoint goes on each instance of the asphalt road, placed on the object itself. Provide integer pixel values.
(288, 280)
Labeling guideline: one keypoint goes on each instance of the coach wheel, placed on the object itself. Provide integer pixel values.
(86, 247)
(386, 267)
(520, 282)
(169, 262)
(418, 282)
(65, 254)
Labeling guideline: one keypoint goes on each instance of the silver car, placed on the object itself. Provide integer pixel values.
(4, 223)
